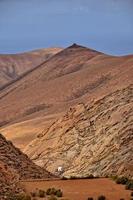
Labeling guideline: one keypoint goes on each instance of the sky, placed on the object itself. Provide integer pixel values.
(104, 25)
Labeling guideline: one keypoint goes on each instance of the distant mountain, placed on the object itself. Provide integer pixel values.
(14, 66)
(76, 74)
(90, 138)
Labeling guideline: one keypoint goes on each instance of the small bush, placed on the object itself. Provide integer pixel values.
(114, 178)
(52, 198)
(51, 191)
(90, 198)
(122, 180)
(64, 178)
(19, 197)
(90, 176)
(33, 194)
(101, 197)
(129, 185)
(41, 193)
(48, 191)
(59, 193)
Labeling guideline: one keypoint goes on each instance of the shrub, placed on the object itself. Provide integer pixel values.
(122, 180)
(48, 191)
(101, 197)
(90, 198)
(19, 197)
(129, 185)
(90, 176)
(114, 178)
(64, 178)
(33, 194)
(59, 193)
(51, 191)
(41, 193)
(52, 198)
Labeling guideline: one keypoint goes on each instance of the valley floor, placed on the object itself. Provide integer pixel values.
(81, 189)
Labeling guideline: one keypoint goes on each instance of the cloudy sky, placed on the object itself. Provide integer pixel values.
(105, 25)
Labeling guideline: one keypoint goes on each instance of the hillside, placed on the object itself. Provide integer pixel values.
(14, 66)
(8, 181)
(15, 165)
(90, 138)
(76, 74)
(14, 159)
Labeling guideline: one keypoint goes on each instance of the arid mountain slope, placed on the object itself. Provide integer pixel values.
(21, 165)
(8, 181)
(76, 74)
(90, 139)
(14, 66)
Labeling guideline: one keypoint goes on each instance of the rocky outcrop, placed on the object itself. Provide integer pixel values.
(92, 138)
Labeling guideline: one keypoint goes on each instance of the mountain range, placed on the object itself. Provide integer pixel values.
(73, 109)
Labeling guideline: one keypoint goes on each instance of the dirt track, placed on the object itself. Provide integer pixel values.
(82, 189)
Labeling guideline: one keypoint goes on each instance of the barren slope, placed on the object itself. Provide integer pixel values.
(13, 66)
(76, 74)
(96, 139)
(22, 166)
(8, 181)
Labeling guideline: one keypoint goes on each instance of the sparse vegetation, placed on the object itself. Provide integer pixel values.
(19, 197)
(41, 193)
(59, 193)
(33, 194)
(102, 197)
(52, 198)
(129, 185)
(122, 180)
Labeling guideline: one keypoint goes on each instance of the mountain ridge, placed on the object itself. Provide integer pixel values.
(75, 74)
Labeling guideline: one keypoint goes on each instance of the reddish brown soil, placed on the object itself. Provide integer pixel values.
(82, 189)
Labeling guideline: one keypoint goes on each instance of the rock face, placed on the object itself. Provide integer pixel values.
(14, 159)
(94, 138)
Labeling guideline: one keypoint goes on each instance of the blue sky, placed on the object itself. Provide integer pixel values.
(105, 25)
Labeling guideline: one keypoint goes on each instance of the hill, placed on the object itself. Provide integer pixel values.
(90, 139)
(77, 74)
(15, 65)
(15, 165)
(13, 158)
(8, 181)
